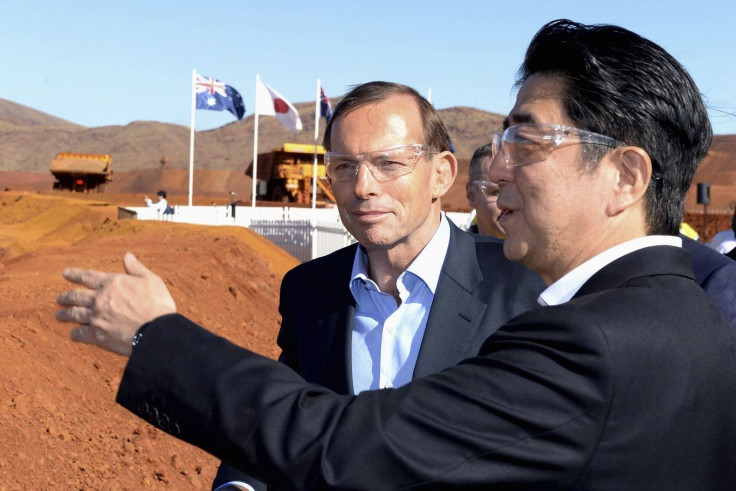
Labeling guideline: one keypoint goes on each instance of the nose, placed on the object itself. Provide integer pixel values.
(500, 171)
(365, 183)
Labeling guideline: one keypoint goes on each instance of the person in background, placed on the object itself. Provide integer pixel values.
(482, 194)
(688, 231)
(725, 240)
(731, 254)
(161, 205)
(716, 274)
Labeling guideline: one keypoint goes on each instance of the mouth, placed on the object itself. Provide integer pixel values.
(368, 215)
(505, 212)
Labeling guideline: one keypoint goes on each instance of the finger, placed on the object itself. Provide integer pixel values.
(91, 335)
(87, 334)
(82, 298)
(87, 277)
(134, 267)
(80, 315)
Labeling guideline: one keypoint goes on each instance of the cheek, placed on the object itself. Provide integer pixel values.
(342, 191)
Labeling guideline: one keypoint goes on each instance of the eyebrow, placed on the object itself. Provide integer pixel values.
(519, 118)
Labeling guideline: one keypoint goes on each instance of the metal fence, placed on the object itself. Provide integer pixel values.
(304, 233)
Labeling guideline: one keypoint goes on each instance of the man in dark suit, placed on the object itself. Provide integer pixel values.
(331, 332)
(625, 380)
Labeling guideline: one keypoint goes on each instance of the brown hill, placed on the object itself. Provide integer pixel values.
(29, 140)
(19, 115)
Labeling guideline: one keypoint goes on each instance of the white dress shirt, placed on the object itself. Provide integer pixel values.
(386, 337)
(566, 287)
(723, 241)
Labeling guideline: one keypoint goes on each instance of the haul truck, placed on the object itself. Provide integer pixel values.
(285, 174)
(81, 172)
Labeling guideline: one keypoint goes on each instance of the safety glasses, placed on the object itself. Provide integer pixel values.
(525, 144)
(384, 165)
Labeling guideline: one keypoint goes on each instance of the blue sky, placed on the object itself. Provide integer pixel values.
(99, 63)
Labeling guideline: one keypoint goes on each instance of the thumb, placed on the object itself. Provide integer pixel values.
(134, 267)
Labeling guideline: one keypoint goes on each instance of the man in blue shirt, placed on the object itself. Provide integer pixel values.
(416, 294)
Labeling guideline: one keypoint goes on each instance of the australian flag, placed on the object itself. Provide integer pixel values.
(216, 96)
(325, 108)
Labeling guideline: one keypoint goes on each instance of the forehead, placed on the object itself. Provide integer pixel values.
(539, 101)
(378, 125)
(482, 169)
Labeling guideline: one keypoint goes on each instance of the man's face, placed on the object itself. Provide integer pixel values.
(400, 213)
(484, 200)
(553, 212)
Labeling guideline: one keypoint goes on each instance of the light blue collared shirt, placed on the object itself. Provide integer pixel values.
(565, 288)
(386, 337)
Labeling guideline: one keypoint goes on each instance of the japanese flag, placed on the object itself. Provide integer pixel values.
(270, 103)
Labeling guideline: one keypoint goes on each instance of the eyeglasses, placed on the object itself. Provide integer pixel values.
(487, 188)
(384, 165)
(525, 144)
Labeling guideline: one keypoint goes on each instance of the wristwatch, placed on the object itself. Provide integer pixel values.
(138, 336)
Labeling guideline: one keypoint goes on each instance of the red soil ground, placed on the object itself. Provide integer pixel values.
(59, 425)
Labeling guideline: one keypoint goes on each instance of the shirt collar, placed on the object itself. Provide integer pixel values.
(566, 287)
(426, 266)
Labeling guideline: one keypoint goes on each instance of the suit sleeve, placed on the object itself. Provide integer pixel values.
(529, 409)
(287, 341)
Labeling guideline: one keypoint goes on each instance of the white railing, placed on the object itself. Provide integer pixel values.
(304, 233)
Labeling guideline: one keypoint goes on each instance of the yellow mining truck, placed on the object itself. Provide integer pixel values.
(81, 172)
(285, 174)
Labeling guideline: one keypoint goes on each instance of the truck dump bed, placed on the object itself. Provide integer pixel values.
(81, 172)
(85, 163)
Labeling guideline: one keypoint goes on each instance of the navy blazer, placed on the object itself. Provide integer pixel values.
(716, 274)
(478, 290)
(629, 385)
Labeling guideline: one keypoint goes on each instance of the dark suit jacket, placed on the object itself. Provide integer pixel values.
(630, 385)
(731, 254)
(478, 290)
(716, 274)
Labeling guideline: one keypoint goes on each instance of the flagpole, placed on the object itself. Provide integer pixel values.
(191, 136)
(316, 139)
(255, 143)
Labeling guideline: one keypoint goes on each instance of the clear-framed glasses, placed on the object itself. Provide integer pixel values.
(488, 189)
(384, 165)
(525, 144)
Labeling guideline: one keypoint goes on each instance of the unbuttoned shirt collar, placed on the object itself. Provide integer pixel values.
(425, 266)
(385, 337)
(565, 288)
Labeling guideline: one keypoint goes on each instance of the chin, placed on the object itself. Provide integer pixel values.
(514, 251)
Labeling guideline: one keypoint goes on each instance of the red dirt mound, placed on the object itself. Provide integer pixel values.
(59, 425)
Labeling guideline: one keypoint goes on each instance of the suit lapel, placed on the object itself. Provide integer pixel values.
(455, 313)
(334, 328)
(334, 342)
(649, 261)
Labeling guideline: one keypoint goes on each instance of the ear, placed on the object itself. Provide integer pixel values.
(633, 171)
(443, 173)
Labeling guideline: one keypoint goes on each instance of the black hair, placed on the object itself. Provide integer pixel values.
(478, 156)
(161, 193)
(624, 86)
